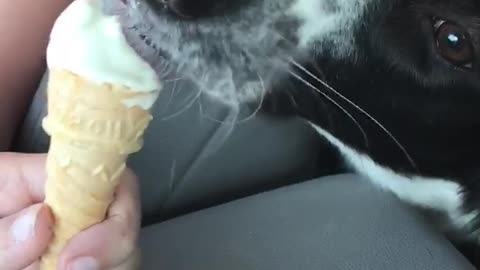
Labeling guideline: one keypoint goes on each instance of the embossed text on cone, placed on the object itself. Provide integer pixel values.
(92, 133)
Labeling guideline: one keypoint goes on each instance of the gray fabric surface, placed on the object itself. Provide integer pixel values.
(335, 223)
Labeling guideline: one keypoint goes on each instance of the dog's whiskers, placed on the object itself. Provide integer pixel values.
(172, 94)
(364, 134)
(373, 119)
(262, 98)
(292, 99)
(184, 109)
(187, 106)
(174, 79)
(249, 117)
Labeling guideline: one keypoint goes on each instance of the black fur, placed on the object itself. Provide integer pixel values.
(397, 75)
(199, 8)
(430, 105)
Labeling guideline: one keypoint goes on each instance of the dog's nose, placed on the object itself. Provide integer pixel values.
(187, 9)
(191, 9)
(167, 6)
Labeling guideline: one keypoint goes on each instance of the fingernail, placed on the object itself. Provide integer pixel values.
(23, 229)
(86, 263)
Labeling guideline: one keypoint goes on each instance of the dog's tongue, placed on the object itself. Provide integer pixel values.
(91, 44)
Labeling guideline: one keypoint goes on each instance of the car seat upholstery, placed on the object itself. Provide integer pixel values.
(332, 223)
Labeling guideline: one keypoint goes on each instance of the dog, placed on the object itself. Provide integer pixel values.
(393, 85)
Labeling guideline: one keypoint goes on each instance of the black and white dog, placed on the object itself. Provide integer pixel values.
(393, 85)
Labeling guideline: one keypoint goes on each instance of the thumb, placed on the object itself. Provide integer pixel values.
(111, 243)
(24, 237)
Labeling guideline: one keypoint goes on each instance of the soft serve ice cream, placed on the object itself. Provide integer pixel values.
(100, 93)
(91, 44)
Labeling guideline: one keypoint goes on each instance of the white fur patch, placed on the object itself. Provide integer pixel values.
(433, 193)
(328, 20)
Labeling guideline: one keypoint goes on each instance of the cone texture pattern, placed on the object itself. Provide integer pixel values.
(92, 133)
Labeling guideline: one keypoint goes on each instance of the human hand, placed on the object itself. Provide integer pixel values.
(25, 222)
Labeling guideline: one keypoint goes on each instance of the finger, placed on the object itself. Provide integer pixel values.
(33, 266)
(111, 242)
(24, 237)
(22, 180)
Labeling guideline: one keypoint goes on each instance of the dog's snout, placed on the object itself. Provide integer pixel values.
(191, 9)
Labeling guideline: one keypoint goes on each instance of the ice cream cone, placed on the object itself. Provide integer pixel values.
(99, 96)
(92, 133)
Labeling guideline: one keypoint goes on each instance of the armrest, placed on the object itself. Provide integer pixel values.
(334, 223)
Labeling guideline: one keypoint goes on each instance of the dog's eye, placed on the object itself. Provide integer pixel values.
(454, 44)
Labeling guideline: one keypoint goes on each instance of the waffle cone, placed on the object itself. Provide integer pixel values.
(92, 133)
